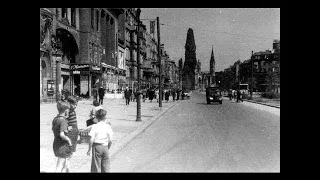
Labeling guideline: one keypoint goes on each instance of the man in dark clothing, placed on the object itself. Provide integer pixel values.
(173, 95)
(130, 92)
(239, 96)
(101, 92)
(178, 94)
(127, 96)
(182, 95)
(167, 94)
(95, 93)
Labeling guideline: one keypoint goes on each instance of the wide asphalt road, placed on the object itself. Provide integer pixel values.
(196, 137)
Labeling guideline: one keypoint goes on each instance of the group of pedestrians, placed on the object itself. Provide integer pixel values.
(66, 135)
(235, 95)
(151, 94)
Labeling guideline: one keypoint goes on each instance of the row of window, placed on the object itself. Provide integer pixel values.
(95, 17)
(63, 13)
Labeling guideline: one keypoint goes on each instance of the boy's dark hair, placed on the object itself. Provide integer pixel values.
(72, 100)
(96, 103)
(62, 106)
(101, 114)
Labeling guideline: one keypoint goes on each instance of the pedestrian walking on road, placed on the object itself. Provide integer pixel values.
(156, 92)
(234, 94)
(131, 92)
(151, 94)
(62, 145)
(101, 135)
(182, 95)
(127, 95)
(239, 96)
(73, 131)
(101, 93)
(167, 94)
(95, 93)
(173, 95)
(230, 94)
(144, 94)
(178, 94)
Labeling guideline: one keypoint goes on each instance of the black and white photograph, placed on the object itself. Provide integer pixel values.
(160, 90)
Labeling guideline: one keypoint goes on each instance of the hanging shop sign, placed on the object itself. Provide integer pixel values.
(80, 67)
(95, 68)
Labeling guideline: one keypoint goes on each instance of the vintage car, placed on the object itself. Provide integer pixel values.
(213, 94)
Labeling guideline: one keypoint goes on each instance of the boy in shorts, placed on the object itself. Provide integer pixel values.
(62, 145)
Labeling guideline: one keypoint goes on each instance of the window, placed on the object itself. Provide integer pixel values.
(73, 17)
(64, 12)
(97, 19)
(92, 18)
(58, 13)
(111, 21)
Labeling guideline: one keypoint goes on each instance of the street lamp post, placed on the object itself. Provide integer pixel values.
(139, 67)
(251, 74)
(159, 60)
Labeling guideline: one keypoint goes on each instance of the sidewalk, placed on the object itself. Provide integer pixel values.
(123, 122)
(263, 101)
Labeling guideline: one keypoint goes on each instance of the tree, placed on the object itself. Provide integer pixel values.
(188, 73)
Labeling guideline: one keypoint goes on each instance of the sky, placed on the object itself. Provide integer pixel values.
(232, 32)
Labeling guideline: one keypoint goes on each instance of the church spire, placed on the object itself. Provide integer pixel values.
(212, 63)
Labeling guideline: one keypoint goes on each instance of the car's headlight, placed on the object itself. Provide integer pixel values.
(211, 98)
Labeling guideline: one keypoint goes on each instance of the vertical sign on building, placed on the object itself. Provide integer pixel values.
(152, 26)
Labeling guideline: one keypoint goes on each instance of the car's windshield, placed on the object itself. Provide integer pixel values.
(213, 90)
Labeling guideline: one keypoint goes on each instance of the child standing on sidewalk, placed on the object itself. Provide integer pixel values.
(62, 145)
(100, 142)
(73, 131)
(92, 114)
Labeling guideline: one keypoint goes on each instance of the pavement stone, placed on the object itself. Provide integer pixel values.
(121, 116)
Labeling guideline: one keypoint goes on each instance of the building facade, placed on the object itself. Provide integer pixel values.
(82, 48)
(59, 48)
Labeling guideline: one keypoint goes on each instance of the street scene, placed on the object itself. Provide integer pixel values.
(159, 90)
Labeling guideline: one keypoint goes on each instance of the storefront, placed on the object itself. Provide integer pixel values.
(81, 77)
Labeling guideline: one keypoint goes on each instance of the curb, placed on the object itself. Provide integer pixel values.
(127, 139)
(256, 102)
(262, 103)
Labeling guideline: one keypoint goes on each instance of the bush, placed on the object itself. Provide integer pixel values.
(271, 95)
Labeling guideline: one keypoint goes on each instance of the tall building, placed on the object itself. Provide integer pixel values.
(131, 47)
(212, 69)
(59, 50)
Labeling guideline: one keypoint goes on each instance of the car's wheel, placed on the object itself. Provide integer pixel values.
(208, 102)
(220, 102)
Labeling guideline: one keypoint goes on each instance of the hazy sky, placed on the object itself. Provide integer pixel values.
(233, 32)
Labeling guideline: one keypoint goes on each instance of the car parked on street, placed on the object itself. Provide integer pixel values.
(213, 94)
(186, 95)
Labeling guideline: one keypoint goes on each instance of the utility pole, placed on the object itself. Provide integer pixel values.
(139, 73)
(251, 73)
(159, 60)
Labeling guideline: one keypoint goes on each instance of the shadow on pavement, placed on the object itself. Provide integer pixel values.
(141, 115)
(213, 103)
